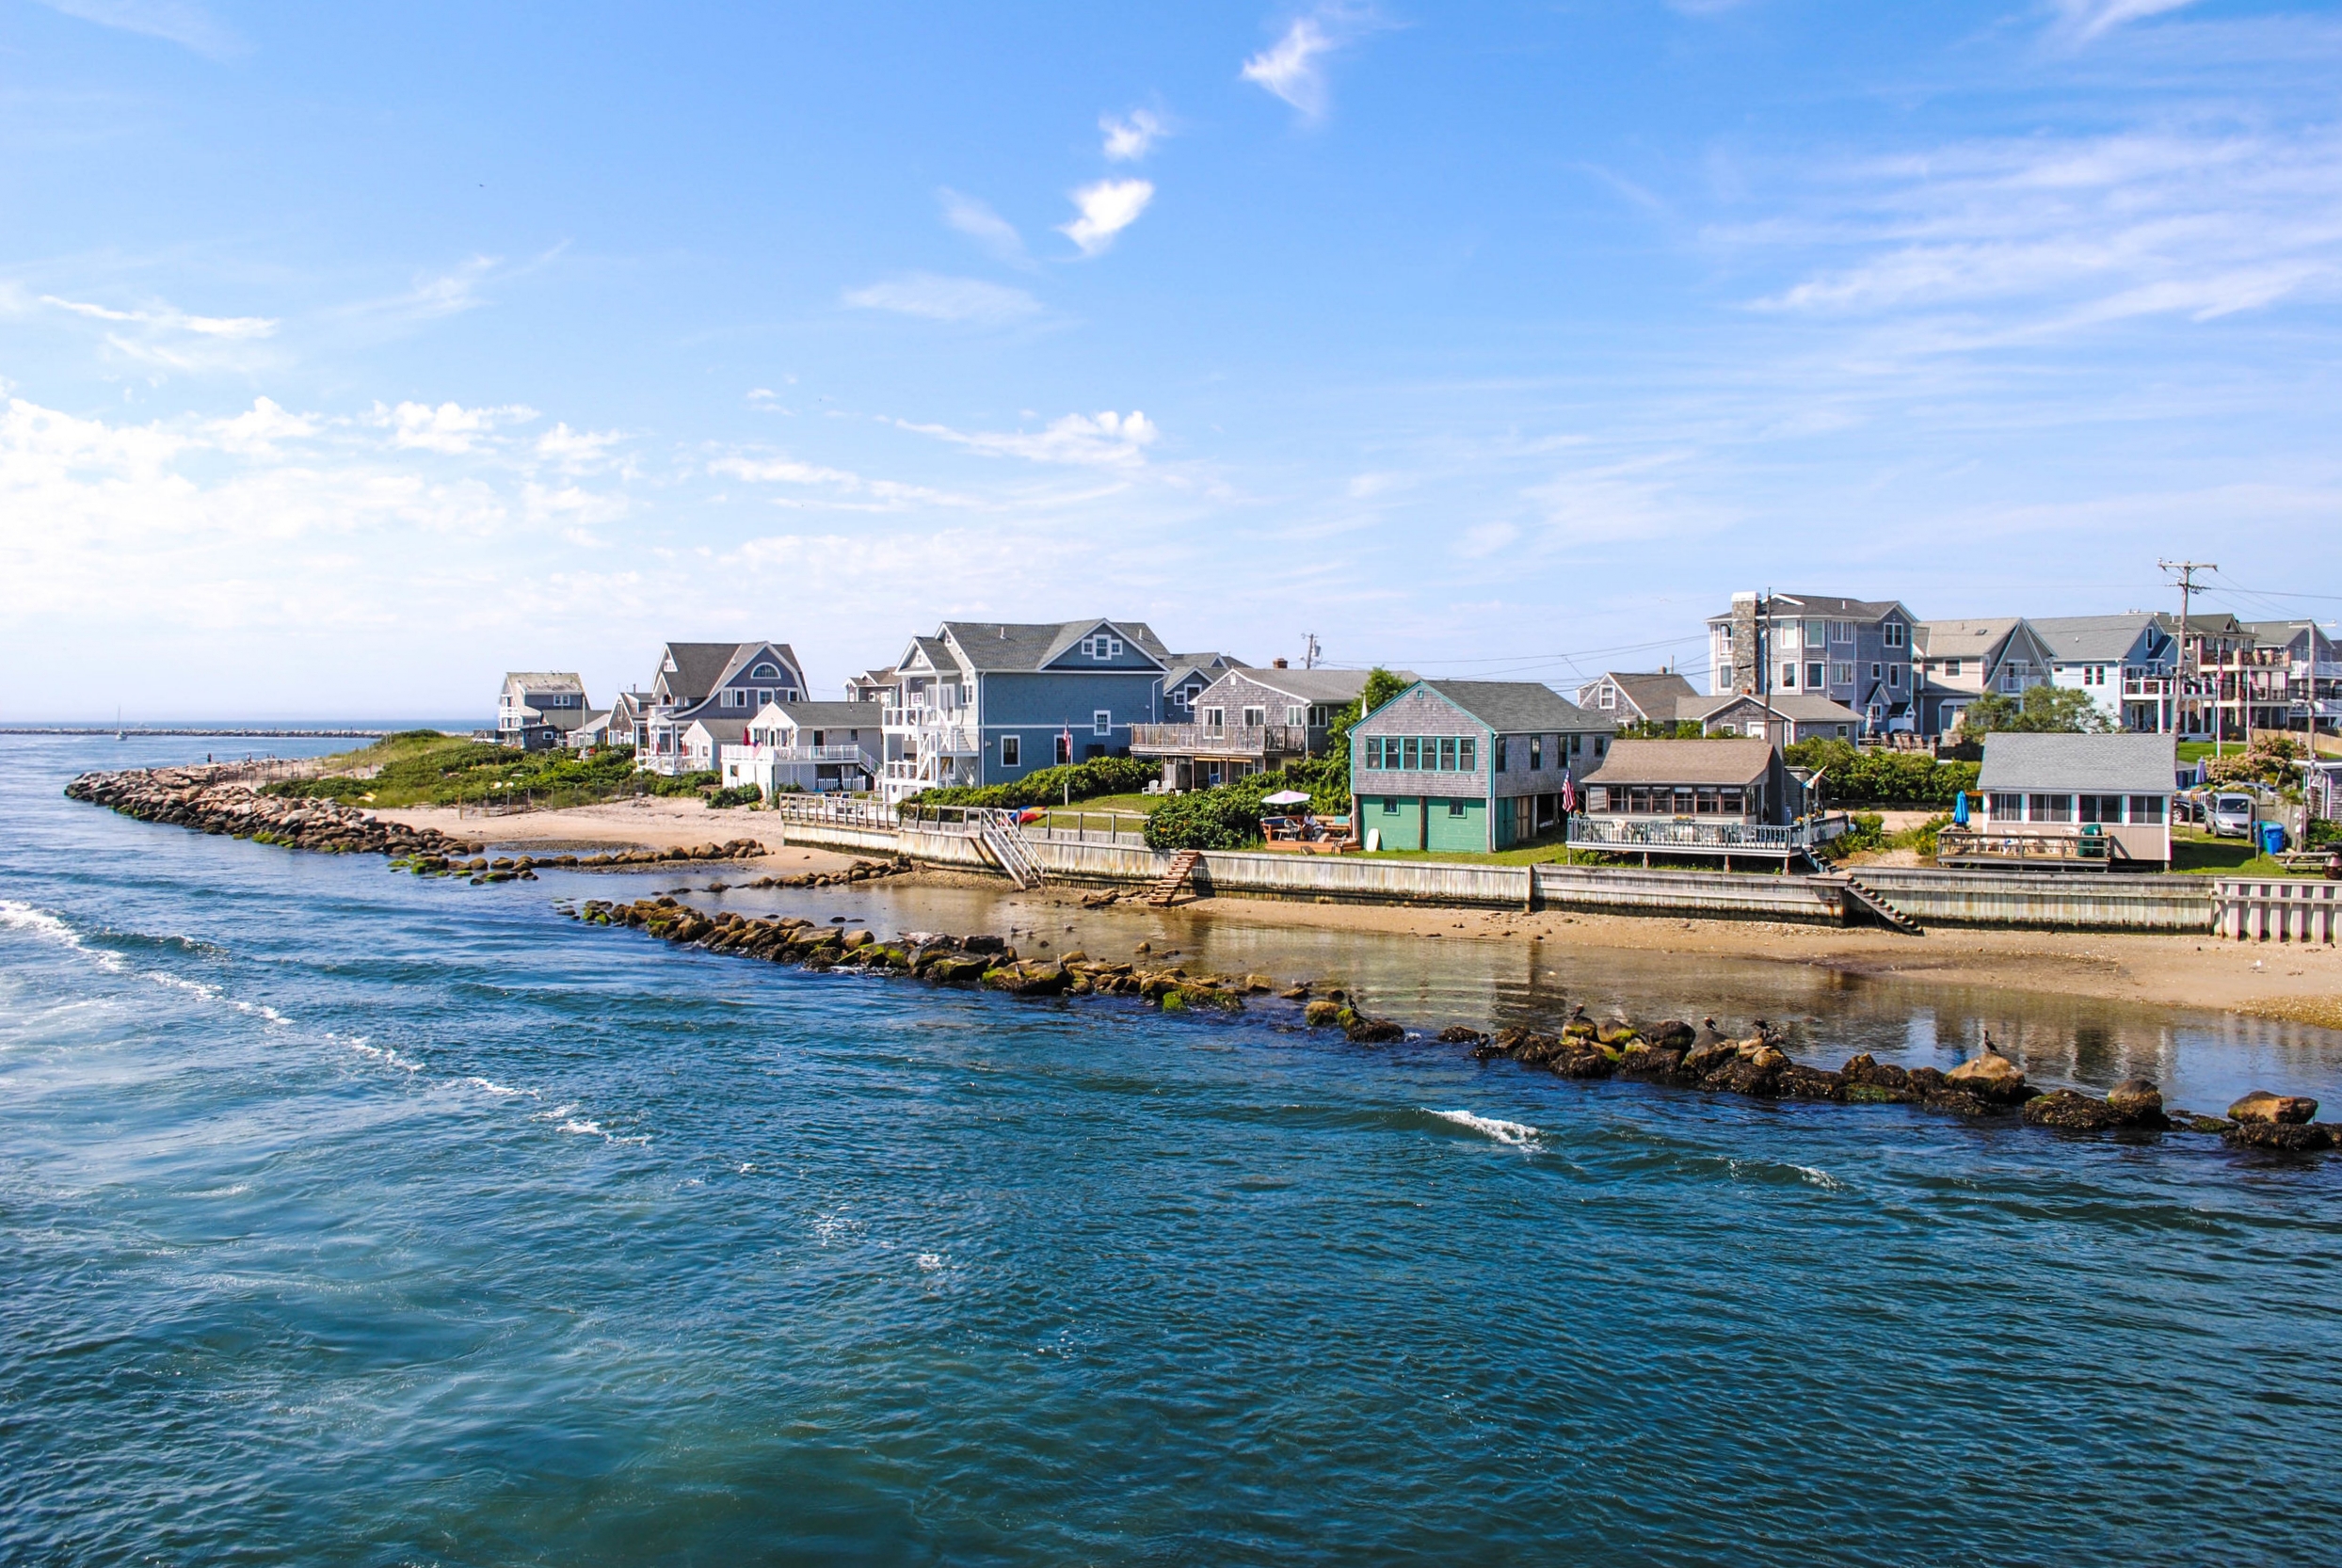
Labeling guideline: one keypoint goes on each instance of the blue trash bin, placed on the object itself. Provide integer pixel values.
(2272, 838)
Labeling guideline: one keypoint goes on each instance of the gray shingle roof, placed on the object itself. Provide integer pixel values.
(1717, 761)
(1961, 639)
(2114, 764)
(1013, 647)
(699, 666)
(833, 715)
(1517, 706)
(2085, 639)
(1786, 605)
(1337, 687)
(545, 680)
(1653, 694)
(1795, 706)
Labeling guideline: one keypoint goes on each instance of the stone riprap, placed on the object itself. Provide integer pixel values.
(1988, 1085)
(207, 800)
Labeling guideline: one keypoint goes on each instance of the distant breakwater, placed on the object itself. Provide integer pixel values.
(239, 732)
(1988, 1086)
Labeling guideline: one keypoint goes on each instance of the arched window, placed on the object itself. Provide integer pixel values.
(765, 672)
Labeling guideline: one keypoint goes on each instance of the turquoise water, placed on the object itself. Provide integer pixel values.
(353, 1219)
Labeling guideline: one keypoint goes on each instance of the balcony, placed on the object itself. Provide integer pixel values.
(1649, 836)
(1250, 741)
(854, 755)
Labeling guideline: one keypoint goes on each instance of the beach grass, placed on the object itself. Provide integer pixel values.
(424, 767)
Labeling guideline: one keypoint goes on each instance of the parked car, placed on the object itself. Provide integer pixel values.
(2232, 815)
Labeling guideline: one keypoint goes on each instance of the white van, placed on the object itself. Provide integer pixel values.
(2231, 816)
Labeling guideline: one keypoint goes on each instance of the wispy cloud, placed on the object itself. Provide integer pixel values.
(577, 451)
(449, 427)
(936, 298)
(258, 429)
(1131, 137)
(2079, 22)
(1106, 439)
(170, 319)
(862, 494)
(1294, 68)
(980, 223)
(1107, 208)
(179, 21)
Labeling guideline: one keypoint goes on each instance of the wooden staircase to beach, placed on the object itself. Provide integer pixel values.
(1175, 876)
(1873, 903)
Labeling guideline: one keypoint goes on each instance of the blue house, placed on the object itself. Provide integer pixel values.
(984, 702)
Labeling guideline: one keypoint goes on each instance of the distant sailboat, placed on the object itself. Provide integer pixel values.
(120, 734)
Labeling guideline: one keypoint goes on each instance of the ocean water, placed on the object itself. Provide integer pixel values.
(350, 1219)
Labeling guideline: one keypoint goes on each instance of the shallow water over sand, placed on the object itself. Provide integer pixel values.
(356, 1218)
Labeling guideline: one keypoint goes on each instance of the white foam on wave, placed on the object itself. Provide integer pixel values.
(930, 1261)
(387, 1055)
(1819, 1178)
(499, 1090)
(1518, 1135)
(18, 916)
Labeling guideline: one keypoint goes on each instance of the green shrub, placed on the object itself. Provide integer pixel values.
(1876, 776)
(739, 795)
(684, 783)
(1100, 776)
(1867, 833)
(1208, 819)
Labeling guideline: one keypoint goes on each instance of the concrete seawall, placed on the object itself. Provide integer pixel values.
(1983, 899)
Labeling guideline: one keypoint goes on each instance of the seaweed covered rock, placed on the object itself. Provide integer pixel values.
(2139, 1103)
(2261, 1108)
(1323, 1014)
(1365, 1031)
(2285, 1137)
(1644, 1060)
(2071, 1110)
(1990, 1078)
(1799, 1081)
(1460, 1034)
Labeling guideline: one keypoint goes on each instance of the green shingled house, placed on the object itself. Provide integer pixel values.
(1470, 765)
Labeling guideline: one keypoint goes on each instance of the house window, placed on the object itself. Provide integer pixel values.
(1101, 722)
(1455, 809)
(1610, 697)
(2102, 809)
(1874, 671)
(1467, 751)
(1844, 675)
(1951, 667)
(1215, 718)
(1101, 647)
(1813, 677)
(1065, 748)
(1446, 754)
(1841, 731)
(765, 672)
(1391, 806)
(1598, 798)
(1536, 753)
(2006, 807)
(1730, 802)
(1788, 678)
(1842, 631)
(1411, 752)
(1010, 752)
(1256, 717)
(2049, 808)
(1895, 674)
(1896, 633)
(1813, 633)
(1296, 714)
(2146, 809)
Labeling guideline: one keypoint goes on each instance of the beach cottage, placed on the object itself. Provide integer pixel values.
(539, 708)
(1249, 721)
(2069, 802)
(1470, 765)
(1728, 799)
(814, 747)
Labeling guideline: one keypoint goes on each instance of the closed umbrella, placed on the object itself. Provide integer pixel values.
(1960, 809)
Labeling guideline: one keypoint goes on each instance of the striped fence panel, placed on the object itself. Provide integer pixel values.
(2278, 909)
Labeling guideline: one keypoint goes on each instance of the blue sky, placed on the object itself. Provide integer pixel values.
(355, 353)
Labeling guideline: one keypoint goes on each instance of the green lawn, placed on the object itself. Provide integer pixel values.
(2200, 854)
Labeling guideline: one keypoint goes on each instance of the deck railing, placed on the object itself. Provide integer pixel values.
(833, 812)
(854, 755)
(1221, 740)
(2012, 846)
(1690, 836)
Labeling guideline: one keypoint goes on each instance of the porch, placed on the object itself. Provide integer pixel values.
(2045, 848)
(1724, 840)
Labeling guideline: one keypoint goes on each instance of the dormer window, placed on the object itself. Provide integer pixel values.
(1101, 647)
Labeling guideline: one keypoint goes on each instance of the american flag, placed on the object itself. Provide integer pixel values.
(1569, 794)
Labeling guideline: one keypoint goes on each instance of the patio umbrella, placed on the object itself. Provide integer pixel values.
(1285, 797)
(1960, 809)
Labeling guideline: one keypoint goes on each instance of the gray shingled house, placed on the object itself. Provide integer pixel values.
(1470, 765)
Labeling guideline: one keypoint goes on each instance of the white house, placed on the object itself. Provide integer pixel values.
(816, 746)
(2100, 801)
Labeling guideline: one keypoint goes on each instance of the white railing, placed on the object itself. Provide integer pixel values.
(854, 755)
(830, 810)
(1239, 740)
(1708, 838)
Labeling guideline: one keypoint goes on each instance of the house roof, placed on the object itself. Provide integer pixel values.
(1957, 639)
(1649, 693)
(2081, 639)
(745, 654)
(699, 666)
(1320, 685)
(1178, 667)
(1795, 706)
(1718, 761)
(1009, 648)
(1826, 604)
(2142, 765)
(1516, 706)
(830, 716)
(545, 680)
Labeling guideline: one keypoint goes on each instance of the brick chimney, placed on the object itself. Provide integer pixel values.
(1276, 663)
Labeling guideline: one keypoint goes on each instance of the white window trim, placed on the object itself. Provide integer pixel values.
(1102, 721)
(1012, 753)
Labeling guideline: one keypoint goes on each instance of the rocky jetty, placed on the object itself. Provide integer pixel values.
(1674, 1053)
(207, 800)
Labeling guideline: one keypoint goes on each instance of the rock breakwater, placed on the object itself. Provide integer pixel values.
(207, 800)
(1674, 1053)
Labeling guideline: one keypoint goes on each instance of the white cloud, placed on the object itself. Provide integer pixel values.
(450, 427)
(1128, 139)
(1106, 439)
(1294, 68)
(935, 299)
(179, 21)
(869, 495)
(1107, 207)
(577, 451)
(171, 319)
(257, 431)
(980, 223)
(2079, 22)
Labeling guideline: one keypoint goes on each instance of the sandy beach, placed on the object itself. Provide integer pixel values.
(648, 823)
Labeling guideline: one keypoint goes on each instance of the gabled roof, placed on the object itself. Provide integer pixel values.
(1178, 667)
(1786, 605)
(829, 715)
(1337, 687)
(1718, 761)
(1516, 706)
(545, 680)
(1961, 639)
(936, 652)
(2083, 639)
(2115, 765)
(745, 654)
(1796, 707)
(1009, 648)
(699, 668)
(1653, 694)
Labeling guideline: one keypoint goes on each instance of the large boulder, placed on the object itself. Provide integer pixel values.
(2139, 1103)
(1799, 1081)
(1869, 1082)
(1460, 1034)
(1675, 1034)
(1364, 1031)
(1644, 1060)
(2285, 1137)
(2071, 1110)
(2264, 1108)
(1990, 1078)
(1321, 1013)
(1756, 1072)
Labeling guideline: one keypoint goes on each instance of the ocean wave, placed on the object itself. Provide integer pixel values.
(18, 916)
(499, 1090)
(1518, 1135)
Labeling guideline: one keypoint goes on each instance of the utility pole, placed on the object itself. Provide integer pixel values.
(1309, 651)
(2187, 570)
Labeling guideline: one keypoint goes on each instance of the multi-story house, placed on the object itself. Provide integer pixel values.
(982, 702)
(2126, 663)
(539, 708)
(1958, 661)
(2313, 671)
(814, 747)
(2228, 684)
(1853, 651)
(1470, 765)
(1629, 697)
(1189, 674)
(1783, 720)
(1249, 721)
(714, 688)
